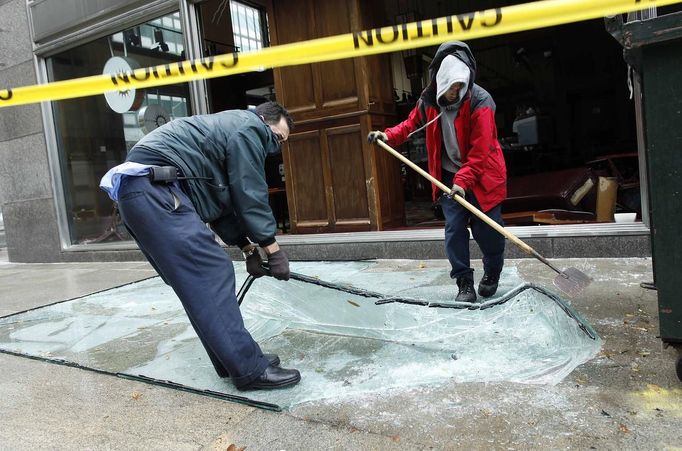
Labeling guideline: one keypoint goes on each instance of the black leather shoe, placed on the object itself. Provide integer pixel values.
(273, 377)
(488, 284)
(466, 290)
(273, 359)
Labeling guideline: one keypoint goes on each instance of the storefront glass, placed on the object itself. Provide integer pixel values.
(95, 133)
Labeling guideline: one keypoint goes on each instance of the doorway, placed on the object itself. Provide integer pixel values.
(228, 26)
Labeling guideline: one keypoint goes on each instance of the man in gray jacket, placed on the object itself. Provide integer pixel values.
(209, 169)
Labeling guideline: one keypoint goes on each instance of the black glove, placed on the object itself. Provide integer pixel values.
(254, 264)
(279, 265)
(376, 136)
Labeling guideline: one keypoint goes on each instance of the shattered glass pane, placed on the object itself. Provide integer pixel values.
(344, 344)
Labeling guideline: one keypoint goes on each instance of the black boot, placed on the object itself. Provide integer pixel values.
(488, 284)
(466, 290)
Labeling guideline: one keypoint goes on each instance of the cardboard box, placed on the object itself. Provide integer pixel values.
(607, 191)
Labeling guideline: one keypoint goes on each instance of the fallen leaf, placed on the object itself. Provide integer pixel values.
(605, 413)
(623, 428)
(422, 265)
(136, 395)
(353, 303)
(395, 438)
(232, 447)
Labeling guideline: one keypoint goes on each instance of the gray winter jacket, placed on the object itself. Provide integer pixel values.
(228, 148)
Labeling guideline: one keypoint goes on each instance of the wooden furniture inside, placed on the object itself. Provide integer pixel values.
(567, 196)
(548, 217)
(335, 180)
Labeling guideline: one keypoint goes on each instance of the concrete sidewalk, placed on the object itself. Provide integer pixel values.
(627, 398)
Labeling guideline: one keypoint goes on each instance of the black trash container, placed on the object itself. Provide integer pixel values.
(653, 48)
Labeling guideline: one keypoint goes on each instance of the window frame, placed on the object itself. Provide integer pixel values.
(263, 28)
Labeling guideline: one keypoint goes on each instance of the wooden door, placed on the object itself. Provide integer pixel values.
(335, 180)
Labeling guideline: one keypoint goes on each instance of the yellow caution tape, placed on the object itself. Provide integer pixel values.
(423, 33)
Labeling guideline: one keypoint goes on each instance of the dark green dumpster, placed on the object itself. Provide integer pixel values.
(653, 48)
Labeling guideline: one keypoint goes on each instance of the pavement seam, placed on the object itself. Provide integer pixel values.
(350, 429)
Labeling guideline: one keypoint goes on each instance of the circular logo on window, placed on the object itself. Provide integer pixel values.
(124, 100)
(151, 117)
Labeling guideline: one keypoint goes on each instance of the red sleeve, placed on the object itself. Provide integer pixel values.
(398, 134)
(481, 141)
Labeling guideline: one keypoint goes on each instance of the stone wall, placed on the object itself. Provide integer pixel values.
(26, 198)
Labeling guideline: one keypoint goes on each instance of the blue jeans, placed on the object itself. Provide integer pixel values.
(184, 252)
(488, 239)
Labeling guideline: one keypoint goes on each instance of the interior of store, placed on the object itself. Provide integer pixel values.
(565, 121)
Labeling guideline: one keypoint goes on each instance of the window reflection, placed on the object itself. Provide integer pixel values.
(95, 133)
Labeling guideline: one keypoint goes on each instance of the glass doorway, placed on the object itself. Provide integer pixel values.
(227, 26)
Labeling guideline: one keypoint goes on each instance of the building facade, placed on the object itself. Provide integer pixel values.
(335, 196)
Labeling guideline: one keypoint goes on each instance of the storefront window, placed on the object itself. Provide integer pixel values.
(95, 133)
(568, 135)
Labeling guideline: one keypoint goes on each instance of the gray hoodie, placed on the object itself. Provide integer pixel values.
(452, 70)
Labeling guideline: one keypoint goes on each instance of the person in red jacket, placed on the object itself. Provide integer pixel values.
(463, 151)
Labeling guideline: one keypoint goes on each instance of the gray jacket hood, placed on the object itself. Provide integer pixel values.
(458, 49)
